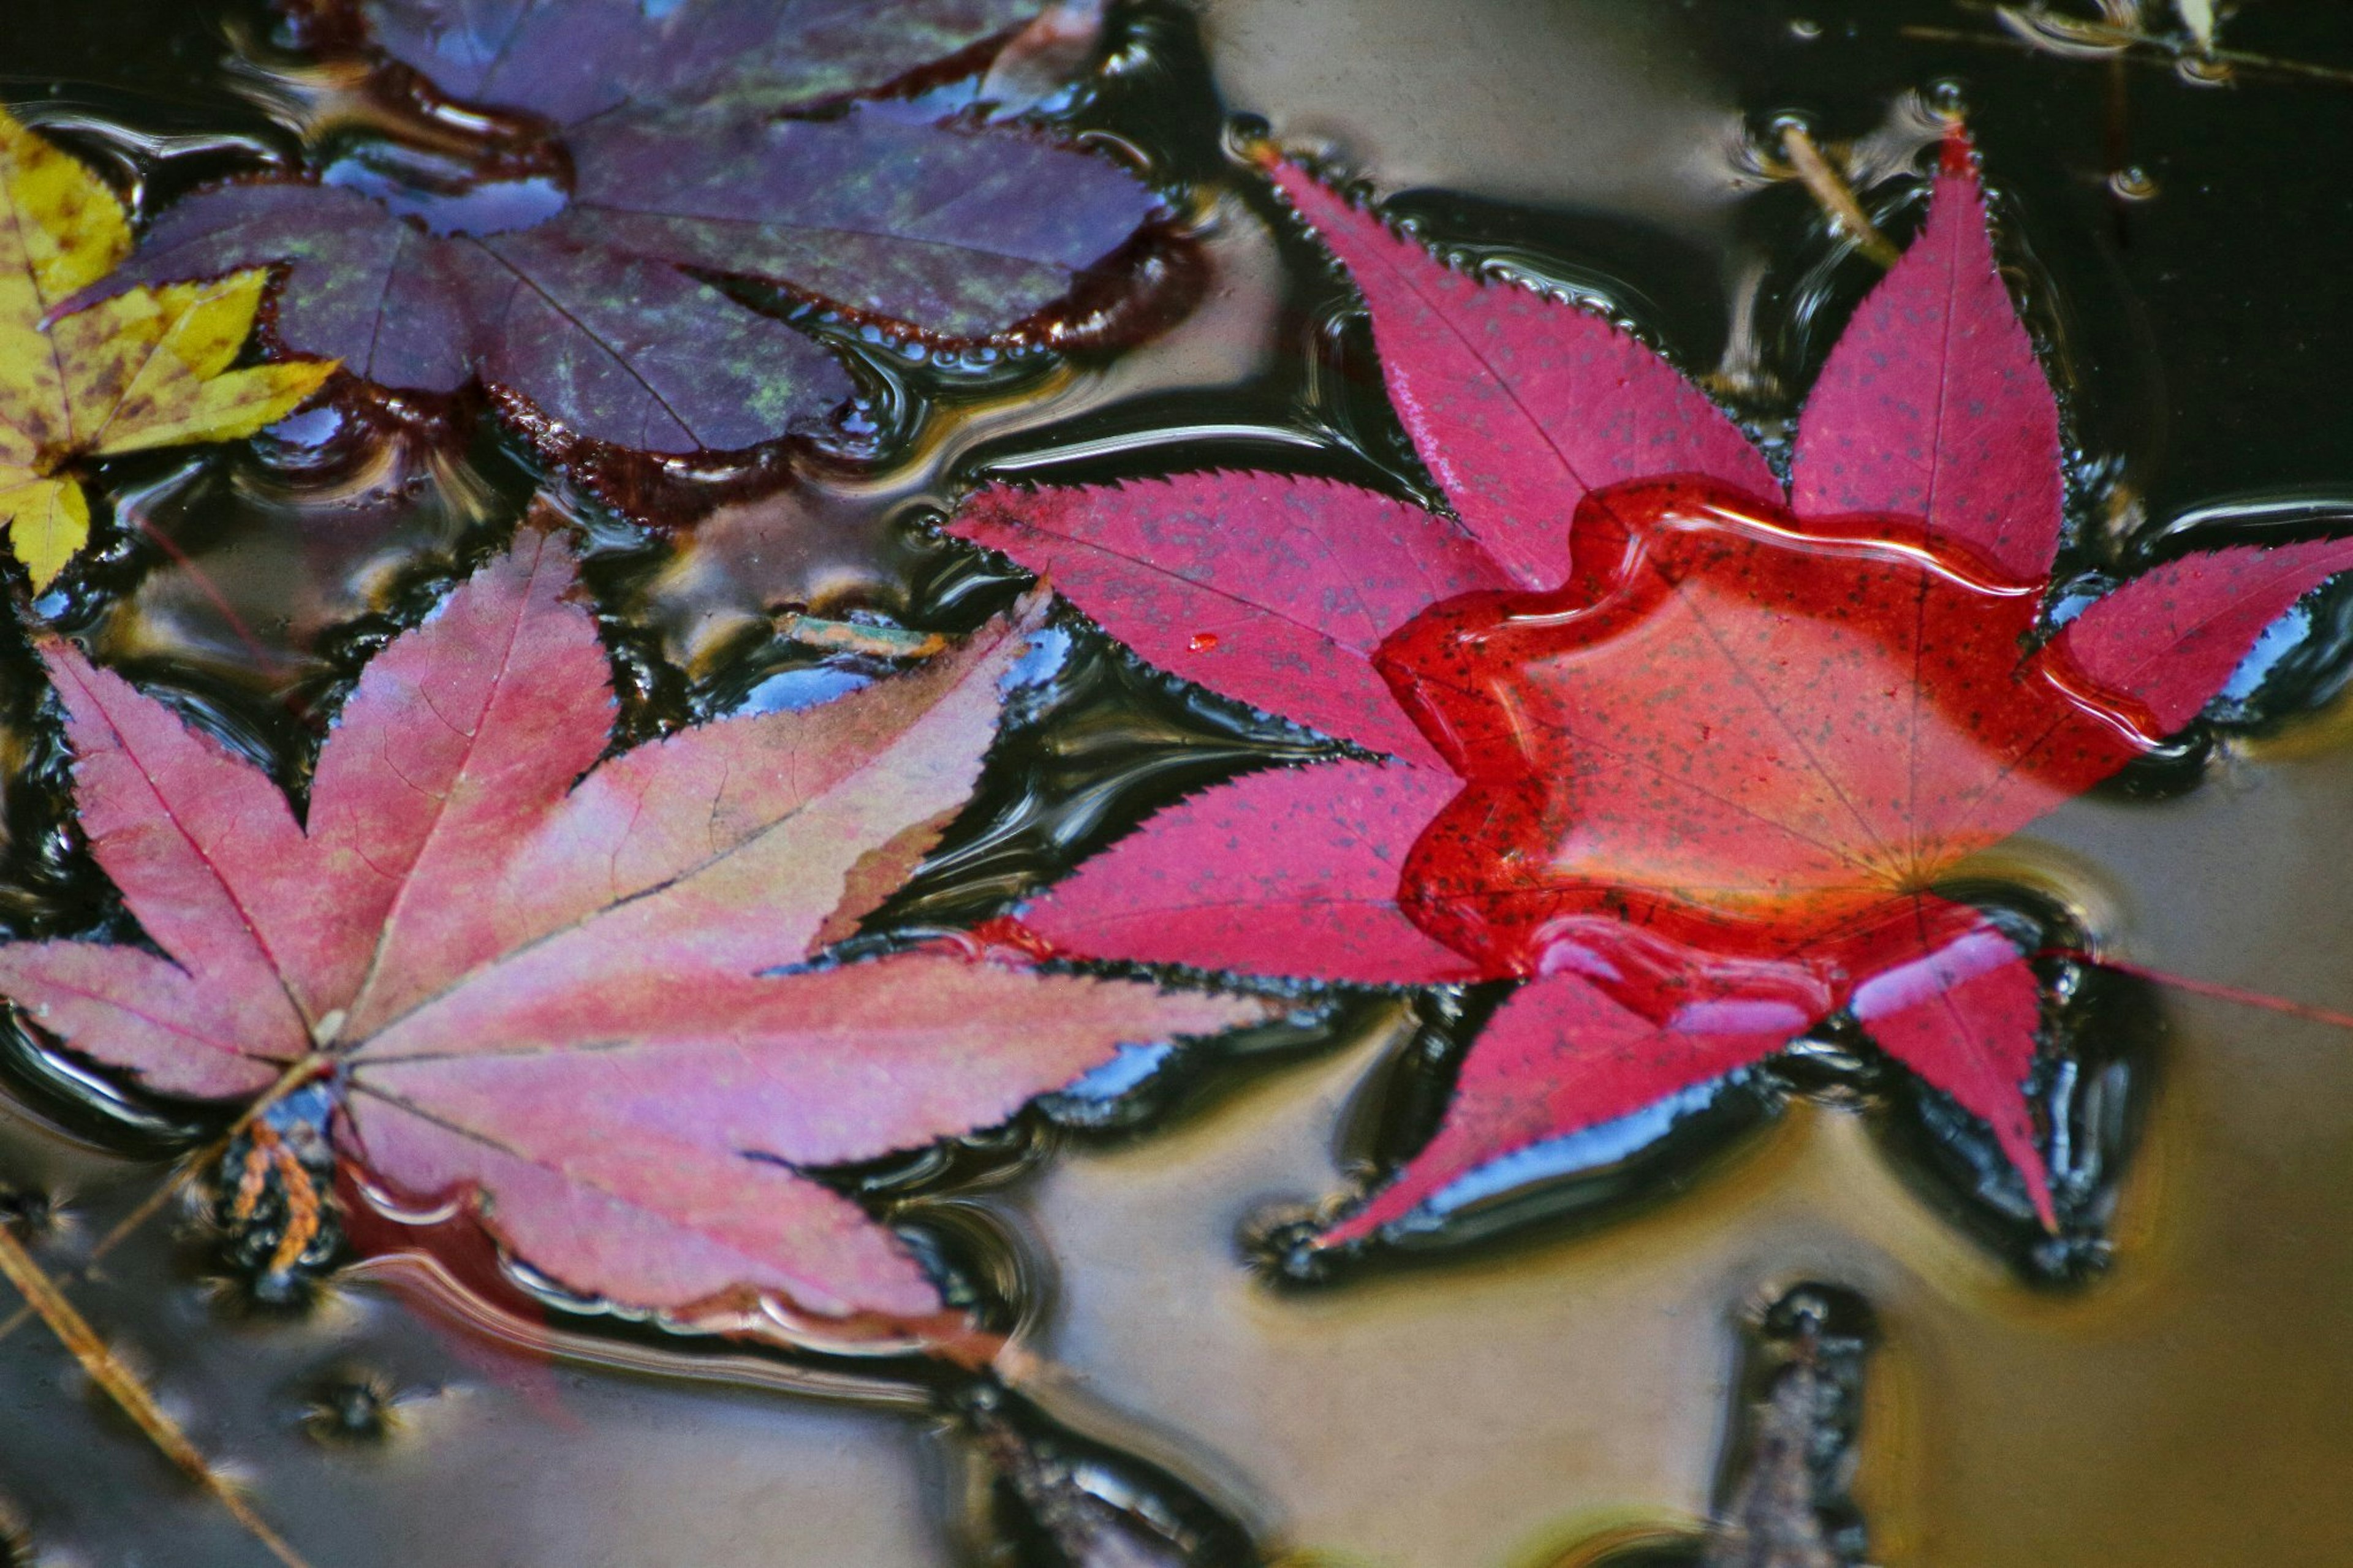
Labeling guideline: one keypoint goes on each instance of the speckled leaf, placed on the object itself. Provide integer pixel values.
(1932, 403)
(1291, 871)
(47, 520)
(1703, 750)
(1273, 590)
(63, 232)
(1517, 404)
(580, 1001)
(2171, 637)
(142, 368)
(1558, 1058)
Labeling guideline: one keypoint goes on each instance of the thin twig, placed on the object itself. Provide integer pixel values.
(1830, 188)
(2138, 47)
(125, 1388)
(209, 589)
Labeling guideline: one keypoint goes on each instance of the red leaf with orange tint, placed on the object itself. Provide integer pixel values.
(1689, 755)
(590, 997)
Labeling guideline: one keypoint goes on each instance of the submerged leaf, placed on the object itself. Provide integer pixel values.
(146, 367)
(1690, 767)
(590, 996)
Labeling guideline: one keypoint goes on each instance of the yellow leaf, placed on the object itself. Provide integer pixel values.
(48, 521)
(61, 230)
(60, 227)
(148, 367)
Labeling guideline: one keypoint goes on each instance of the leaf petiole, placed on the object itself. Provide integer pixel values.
(2214, 988)
(294, 1077)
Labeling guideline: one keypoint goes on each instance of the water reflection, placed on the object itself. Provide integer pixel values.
(2185, 1410)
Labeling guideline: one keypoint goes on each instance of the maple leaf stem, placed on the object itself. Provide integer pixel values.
(317, 1064)
(2214, 988)
(1836, 197)
(126, 1388)
(210, 590)
(2138, 47)
(293, 1078)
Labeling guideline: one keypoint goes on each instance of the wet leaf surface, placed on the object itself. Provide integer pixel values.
(560, 997)
(1692, 767)
(568, 187)
(1566, 1369)
(147, 367)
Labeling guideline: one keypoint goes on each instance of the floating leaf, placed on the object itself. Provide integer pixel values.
(567, 247)
(1690, 767)
(585, 995)
(147, 367)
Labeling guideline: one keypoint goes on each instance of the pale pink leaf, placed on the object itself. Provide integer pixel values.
(201, 843)
(145, 1015)
(461, 737)
(667, 1225)
(724, 849)
(570, 1018)
(821, 1067)
(622, 1107)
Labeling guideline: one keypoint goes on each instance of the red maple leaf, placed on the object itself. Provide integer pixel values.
(1685, 751)
(580, 993)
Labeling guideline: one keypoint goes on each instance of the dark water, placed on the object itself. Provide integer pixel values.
(1506, 1405)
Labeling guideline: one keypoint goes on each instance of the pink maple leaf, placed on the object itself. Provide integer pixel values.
(578, 994)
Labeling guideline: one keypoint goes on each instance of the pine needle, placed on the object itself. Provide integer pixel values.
(1830, 188)
(125, 1388)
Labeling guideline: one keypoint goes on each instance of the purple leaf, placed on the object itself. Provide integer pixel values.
(570, 60)
(588, 294)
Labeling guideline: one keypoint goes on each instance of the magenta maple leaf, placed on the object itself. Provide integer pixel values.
(1683, 752)
(580, 175)
(579, 992)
